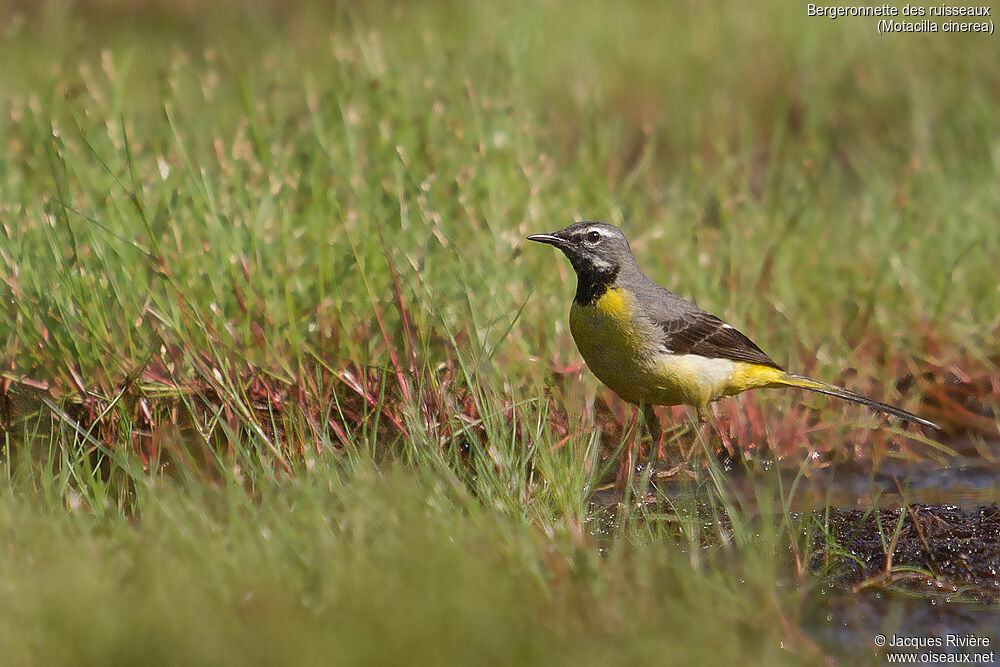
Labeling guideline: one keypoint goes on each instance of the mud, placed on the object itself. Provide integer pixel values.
(935, 551)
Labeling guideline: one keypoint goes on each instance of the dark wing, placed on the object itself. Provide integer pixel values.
(693, 331)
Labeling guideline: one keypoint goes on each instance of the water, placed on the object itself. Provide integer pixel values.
(847, 623)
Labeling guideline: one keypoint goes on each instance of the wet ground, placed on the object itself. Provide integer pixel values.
(908, 553)
(931, 550)
(965, 481)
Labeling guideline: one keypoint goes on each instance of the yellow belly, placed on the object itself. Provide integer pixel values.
(624, 353)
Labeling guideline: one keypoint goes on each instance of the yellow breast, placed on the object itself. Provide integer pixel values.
(608, 322)
(612, 342)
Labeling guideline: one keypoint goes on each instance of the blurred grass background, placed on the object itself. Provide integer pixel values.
(233, 207)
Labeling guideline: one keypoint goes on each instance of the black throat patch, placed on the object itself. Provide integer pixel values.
(591, 284)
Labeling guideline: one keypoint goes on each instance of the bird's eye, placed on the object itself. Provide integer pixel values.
(593, 236)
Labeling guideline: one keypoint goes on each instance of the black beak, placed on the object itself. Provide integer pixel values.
(551, 239)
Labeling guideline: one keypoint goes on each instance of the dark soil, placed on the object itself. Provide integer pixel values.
(933, 549)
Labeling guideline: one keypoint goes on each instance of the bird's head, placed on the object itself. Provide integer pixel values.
(594, 248)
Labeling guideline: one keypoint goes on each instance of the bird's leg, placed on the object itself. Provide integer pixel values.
(655, 433)
(704, 424)
(727, 452)
(706, 429)
(626, 465)
(652, 423)
(702, 415)
(712, 439)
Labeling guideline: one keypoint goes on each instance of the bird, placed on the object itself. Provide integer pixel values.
(653, 347)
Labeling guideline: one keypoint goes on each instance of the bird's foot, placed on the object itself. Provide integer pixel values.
(684, 466)
(671, 472)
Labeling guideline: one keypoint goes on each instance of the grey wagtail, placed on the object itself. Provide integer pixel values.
(652, 347)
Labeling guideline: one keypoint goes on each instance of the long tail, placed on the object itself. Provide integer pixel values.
(790, 380)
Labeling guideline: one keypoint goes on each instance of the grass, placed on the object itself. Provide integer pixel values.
(284, 381)
(360, 563)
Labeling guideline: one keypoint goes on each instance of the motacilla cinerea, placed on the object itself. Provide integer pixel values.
(652, 347)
